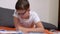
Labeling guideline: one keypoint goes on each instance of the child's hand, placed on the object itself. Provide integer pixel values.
(26, 31)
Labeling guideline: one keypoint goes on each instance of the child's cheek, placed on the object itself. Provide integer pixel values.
(26, 15)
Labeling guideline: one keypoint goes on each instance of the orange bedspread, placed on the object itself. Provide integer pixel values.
(13, 29)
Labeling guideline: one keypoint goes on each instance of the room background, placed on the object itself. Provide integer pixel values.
(46, 9)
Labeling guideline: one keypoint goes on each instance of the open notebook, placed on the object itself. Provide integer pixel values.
(18, 32)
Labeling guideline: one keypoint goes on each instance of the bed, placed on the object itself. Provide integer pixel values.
(6, 20)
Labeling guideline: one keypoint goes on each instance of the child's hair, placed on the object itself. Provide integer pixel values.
(22, 5)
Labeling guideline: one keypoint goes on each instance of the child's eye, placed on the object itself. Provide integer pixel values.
(18, 13)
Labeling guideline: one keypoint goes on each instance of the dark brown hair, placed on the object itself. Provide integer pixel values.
(22, 5)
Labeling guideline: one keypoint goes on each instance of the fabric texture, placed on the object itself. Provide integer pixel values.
(6, 18)
(49, 26)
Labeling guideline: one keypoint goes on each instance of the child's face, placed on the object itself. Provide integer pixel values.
(23, 13)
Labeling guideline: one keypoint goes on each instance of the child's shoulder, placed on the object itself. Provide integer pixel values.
(33, 12)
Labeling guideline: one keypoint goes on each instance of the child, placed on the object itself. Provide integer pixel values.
(26, 20)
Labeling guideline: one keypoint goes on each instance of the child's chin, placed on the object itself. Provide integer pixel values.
(23, 17)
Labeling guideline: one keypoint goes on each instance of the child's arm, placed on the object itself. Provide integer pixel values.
(18, 26)
(38, 29)
(21, 28)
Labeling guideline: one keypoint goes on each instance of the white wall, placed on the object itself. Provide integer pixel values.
(42, 8)
(46, 9)
(53, 11)
(8, 3)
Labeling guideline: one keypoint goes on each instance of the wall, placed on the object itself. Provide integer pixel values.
(53, 11)
(10, 4)
(42, 8)
(46, 9)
